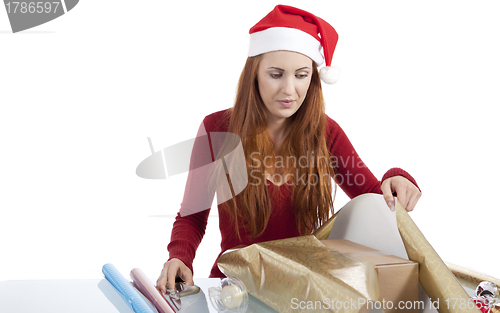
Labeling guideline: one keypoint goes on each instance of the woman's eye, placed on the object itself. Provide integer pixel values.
(279, 75)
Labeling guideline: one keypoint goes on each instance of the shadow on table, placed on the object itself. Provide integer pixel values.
(114, 296)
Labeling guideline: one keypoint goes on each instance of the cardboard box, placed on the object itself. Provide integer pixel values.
(398, 278)
(301, 274)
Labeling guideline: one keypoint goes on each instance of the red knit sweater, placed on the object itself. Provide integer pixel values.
(351, 175)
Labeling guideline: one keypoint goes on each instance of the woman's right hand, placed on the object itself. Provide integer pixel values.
(171, 270)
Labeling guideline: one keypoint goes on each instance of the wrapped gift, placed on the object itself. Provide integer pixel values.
(302, 274)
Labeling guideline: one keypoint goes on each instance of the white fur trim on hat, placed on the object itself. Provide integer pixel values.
(330, 74)
(284, 38)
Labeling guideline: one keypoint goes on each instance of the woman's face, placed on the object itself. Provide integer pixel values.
(283, 79)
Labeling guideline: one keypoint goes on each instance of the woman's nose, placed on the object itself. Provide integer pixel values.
(288, 86)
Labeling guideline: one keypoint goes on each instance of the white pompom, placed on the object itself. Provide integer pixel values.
(330, 74)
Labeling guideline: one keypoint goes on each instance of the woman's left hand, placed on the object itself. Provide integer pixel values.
(407, 193)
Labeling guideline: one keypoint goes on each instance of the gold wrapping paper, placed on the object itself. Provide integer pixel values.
(324, 230)
(438, 281)
(471, 279)
(290, 273)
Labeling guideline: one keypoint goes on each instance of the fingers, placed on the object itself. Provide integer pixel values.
(186, 275)
(413, 201)
(172, 269)
(408, 194)
(387, 193)
(171, 275)
(162, 280)
(401, 191)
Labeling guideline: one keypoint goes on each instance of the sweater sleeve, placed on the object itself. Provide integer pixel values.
(191, 221)
(351, 173)
(187, 233)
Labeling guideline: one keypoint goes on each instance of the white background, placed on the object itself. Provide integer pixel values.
(80, 95)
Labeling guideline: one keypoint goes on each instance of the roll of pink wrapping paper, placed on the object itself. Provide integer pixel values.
(146, 287)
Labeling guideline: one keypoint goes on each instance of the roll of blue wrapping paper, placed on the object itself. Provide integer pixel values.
(133, 299)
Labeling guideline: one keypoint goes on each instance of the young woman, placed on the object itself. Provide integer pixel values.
(292, 148)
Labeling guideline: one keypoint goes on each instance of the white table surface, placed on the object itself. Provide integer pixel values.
(90, 296)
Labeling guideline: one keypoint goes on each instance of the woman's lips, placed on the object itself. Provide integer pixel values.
(286, 103)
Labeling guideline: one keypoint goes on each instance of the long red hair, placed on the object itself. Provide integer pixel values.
(312, 202)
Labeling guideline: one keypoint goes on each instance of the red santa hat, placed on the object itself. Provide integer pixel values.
(292, 29)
